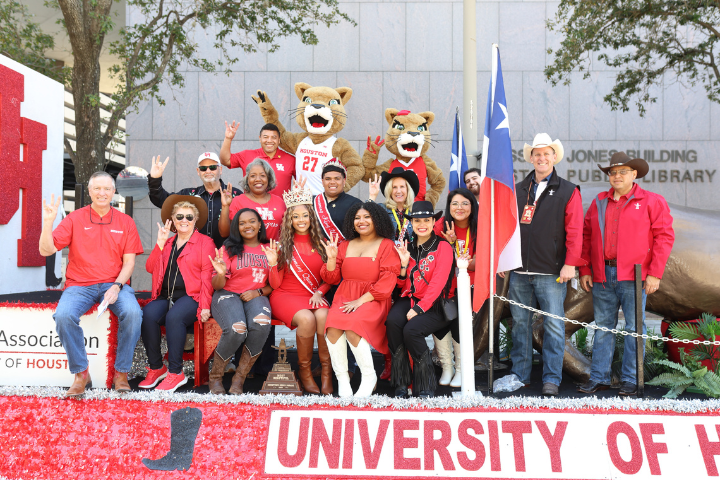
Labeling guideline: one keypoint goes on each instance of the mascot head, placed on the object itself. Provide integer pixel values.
(322, 109)
(408, 134)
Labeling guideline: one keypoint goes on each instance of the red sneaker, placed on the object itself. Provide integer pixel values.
(172, 382)
(153, 377)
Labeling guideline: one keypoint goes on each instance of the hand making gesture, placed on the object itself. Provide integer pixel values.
(331, 246)
(218, 262)
(157, 167)
(374, 147)
(231, 130)
(271, 252)
(403, 253)
(374, 186)
(50, 209)
(299, 182)
(449, 232)
(226, 196)
(163, 233)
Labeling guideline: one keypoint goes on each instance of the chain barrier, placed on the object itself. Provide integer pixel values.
(605, 329)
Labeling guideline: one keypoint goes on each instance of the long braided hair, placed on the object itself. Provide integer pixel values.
(287, 236)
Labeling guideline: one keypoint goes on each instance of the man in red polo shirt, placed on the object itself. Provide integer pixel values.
(281, 162)
(623, 227)
(102, 244)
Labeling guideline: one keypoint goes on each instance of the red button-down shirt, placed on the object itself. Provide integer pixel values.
(612, 217)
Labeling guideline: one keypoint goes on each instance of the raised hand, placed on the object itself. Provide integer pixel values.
(50, 209)
(374, 187)
(157, 167)
(226, 196)
(231, 130)
(403, 253)
(331, 246)
(163, 233)
(261, 97)
(374, 147)
(271, 252)
(449, 232)
(218, 262)
(300, 182)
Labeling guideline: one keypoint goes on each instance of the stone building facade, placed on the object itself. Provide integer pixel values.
(408, 55)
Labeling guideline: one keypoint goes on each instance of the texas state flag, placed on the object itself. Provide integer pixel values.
(498, 184)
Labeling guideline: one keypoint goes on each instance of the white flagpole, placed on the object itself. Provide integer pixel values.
(491, 319)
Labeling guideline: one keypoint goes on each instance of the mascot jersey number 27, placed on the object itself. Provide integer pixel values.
(321, 114)
(408, 139)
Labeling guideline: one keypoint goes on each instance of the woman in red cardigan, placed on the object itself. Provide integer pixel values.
(427, 267)
(182, 291)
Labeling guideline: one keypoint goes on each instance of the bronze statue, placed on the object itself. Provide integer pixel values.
(689, 286)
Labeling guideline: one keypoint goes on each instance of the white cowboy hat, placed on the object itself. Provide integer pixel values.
(543, 140)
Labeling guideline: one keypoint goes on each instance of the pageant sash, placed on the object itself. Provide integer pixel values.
(328, 226)
(303, 273)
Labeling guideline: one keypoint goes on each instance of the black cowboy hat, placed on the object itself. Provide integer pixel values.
(423, 209)
(622, 159)
(408, 175)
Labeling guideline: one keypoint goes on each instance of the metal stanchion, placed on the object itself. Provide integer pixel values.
(129, 206)
(467, 350)
(640, 347)
(79, 195)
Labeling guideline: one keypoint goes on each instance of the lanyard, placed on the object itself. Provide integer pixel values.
(400, 228)
(467, 243)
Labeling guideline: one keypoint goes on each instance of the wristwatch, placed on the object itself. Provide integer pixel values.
(120, 285)
(259, 290)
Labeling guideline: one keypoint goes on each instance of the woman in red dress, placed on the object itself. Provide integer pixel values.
(259, 179)
(297, 298)
(368, 266)
(459, 227)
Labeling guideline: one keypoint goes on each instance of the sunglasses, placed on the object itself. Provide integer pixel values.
(619, 172)
(205, 167)
(190, 217)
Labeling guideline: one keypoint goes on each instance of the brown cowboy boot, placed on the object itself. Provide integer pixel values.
(326, 386)
(120, 382)
(243, 368)
(304, 352)
(81, 382)
(215, 380)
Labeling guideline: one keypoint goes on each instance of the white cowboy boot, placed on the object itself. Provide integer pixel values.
(363, 357)
(444, 353)
(338, 357)
(457, 379)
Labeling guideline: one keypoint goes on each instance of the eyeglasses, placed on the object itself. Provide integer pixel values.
(463, 204)
(112, 213)
(205, 167)
(190, 217)
(619, 172)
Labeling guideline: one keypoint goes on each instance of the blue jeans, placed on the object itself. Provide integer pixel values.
(550, 296)
(75, 301)
(177, 320)
(607, 298)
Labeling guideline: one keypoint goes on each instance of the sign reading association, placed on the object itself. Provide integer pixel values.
(31, 353)
(491, 444)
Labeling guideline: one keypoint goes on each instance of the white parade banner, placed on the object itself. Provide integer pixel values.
(472, 444)
(31, 353)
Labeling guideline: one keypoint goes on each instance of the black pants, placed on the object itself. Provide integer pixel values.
(176, 320)
(411, 333)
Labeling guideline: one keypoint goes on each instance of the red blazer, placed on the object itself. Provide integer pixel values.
(436, 269)
(194, 264)
(645, 236)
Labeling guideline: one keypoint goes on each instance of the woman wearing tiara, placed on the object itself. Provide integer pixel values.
(298, 291)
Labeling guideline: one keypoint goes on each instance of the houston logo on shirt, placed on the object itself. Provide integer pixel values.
(265, 213)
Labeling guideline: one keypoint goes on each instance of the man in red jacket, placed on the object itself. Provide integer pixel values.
(623, 227)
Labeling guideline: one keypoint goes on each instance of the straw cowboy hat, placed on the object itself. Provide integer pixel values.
(543, 140)
(622, 159)
(170, 202)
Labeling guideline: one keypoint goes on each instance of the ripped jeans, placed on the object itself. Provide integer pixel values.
(241, 322)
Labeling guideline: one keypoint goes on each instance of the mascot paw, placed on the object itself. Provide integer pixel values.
(374, 147)
(261, 98)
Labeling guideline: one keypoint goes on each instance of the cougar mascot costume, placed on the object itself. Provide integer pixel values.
(408, 139)
(321, 114)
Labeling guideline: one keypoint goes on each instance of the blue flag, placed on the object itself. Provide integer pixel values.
(458, 161)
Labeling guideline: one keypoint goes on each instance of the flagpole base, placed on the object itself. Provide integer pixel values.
(477, 393)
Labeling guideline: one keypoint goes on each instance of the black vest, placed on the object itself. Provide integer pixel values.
(542, 242)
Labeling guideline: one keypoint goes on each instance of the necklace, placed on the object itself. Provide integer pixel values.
(172, 292)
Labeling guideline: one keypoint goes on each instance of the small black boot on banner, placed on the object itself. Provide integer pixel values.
(184, 427)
